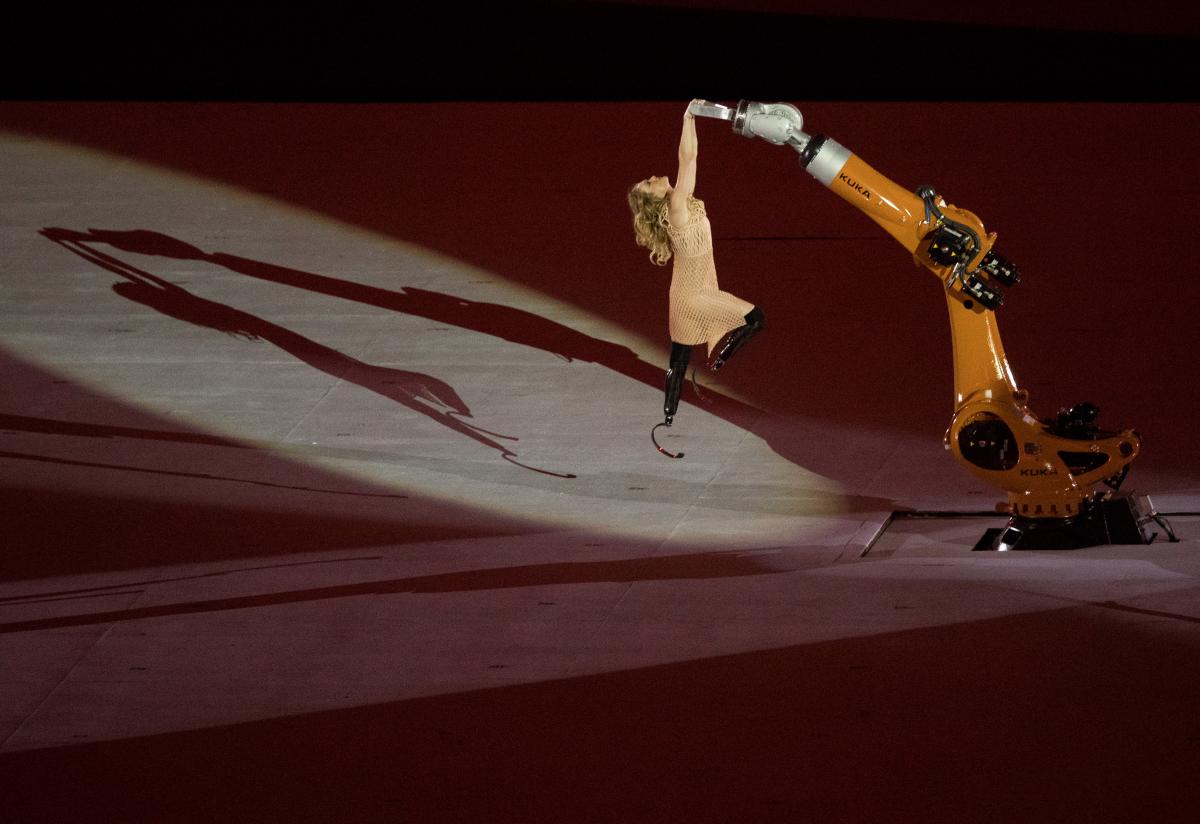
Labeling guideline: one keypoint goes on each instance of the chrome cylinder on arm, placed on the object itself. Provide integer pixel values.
(782, 124)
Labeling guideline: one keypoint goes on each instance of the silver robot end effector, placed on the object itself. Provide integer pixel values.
(776, 123)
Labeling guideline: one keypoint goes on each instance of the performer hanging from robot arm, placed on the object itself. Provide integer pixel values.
(671, 222)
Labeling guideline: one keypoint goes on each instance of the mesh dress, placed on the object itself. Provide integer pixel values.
(699, 311)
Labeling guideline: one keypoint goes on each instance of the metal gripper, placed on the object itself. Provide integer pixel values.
(777, 123)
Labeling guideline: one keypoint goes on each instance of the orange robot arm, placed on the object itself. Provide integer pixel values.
(1051, 470)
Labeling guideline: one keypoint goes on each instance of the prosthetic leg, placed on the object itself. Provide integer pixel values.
(755, 323)
(681, 354)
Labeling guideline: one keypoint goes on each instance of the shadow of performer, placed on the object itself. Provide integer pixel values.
(421, 393)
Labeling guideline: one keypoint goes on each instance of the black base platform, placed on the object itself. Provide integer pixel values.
(1122, 519)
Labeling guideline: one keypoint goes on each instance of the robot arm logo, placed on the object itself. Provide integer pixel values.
(855, 185)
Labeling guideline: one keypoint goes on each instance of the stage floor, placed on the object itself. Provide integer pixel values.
(309, 517)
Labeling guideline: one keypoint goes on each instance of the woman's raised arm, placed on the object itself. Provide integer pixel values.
(685, 180)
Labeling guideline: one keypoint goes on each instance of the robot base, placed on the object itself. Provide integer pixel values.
(1121, 519)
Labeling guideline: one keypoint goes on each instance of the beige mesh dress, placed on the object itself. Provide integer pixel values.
(699, 311)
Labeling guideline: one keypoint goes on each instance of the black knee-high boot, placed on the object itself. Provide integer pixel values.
(680, 355)
(756, 321)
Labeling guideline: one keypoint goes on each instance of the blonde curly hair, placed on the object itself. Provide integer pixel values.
(650, 224)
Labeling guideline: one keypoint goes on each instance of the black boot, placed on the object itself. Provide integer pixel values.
(756, 321)
(680, 355)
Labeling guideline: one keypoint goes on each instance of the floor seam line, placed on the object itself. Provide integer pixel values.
(66, 675)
